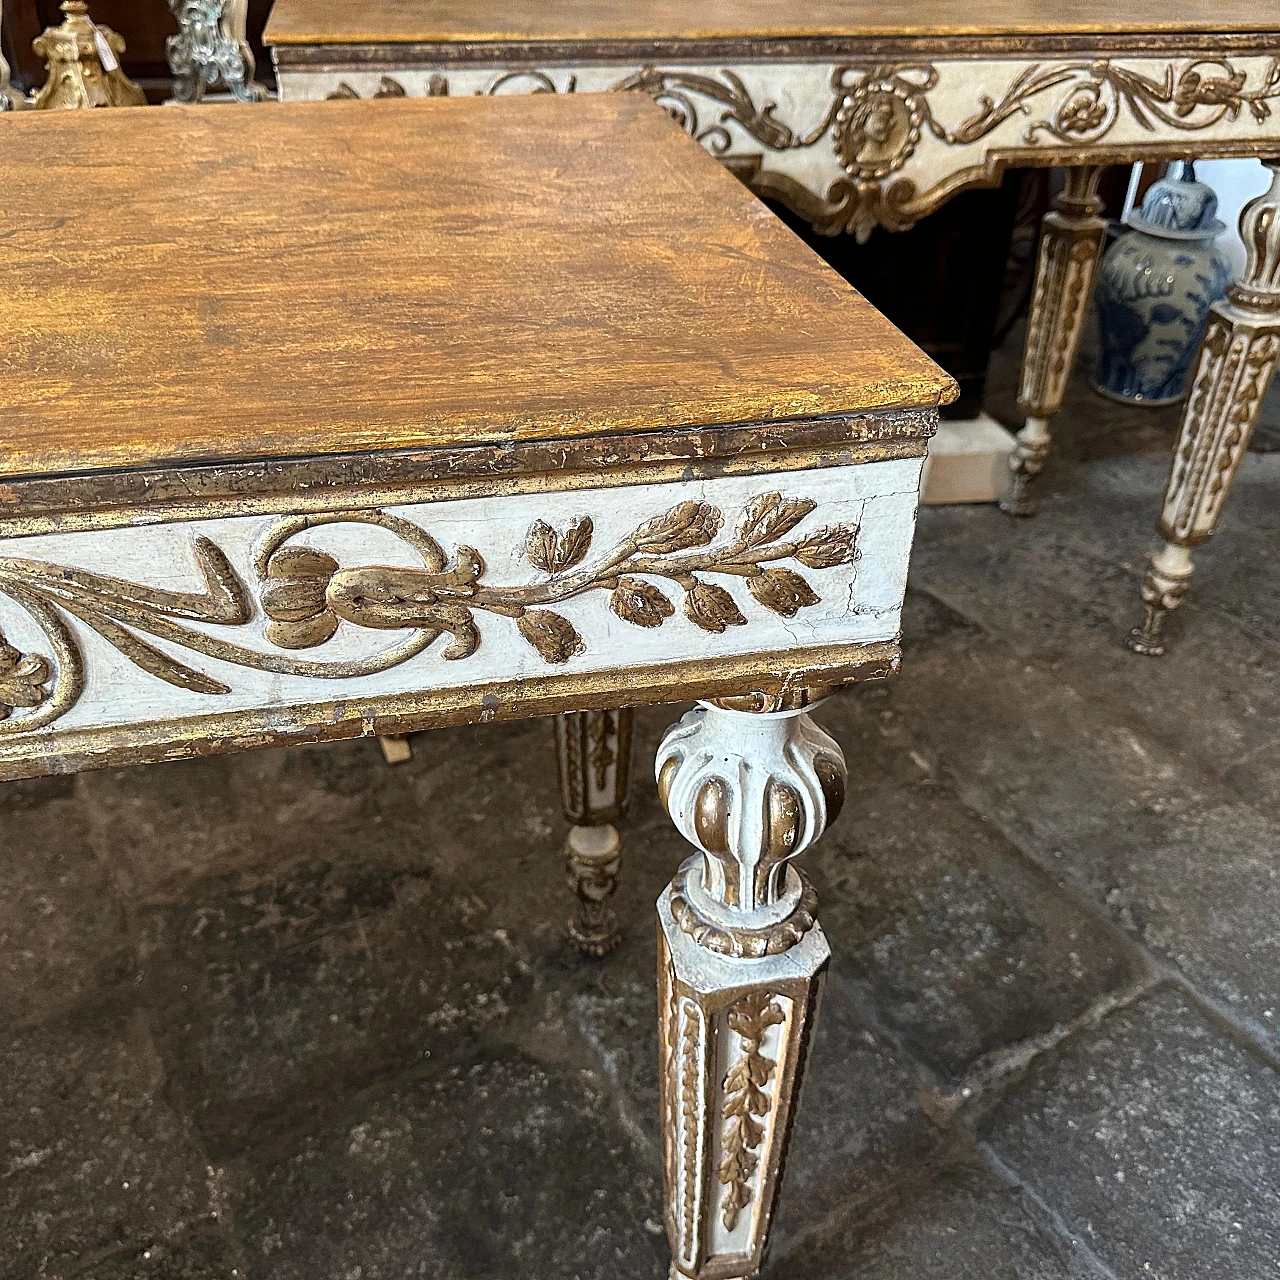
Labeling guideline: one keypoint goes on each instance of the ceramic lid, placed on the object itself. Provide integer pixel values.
(1179, 207)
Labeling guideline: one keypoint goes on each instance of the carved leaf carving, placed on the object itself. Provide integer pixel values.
(553, 552)
(712, 608)
(782, 591)
(307, 594)
(640, 602)
(769, 516)
(829, 546)
(691, 524)
(551, 634)
(745, 1100)
(22, 678)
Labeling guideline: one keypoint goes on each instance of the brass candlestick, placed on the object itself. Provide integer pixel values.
(83, 61)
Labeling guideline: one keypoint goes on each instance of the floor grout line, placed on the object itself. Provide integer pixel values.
(1047, 1212)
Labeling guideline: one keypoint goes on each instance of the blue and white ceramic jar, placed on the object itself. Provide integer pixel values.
(1155, 287)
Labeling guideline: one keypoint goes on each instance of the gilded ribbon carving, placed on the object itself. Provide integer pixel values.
(306, 595)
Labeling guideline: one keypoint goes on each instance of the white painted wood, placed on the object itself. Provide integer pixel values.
(857, 602)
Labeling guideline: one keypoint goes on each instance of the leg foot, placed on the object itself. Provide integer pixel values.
(1166, 583)
(1026, 462)
(740, 968)
(593, 760)
(593, 857)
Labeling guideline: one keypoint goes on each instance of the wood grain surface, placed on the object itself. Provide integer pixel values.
(317, 278)
(383, 21)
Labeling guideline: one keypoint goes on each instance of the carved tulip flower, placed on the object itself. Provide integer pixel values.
(23, 677)
(294, 597)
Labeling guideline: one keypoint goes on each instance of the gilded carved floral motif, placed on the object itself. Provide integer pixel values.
(306, 596)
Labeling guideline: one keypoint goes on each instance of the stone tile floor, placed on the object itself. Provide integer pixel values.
(300, 1015)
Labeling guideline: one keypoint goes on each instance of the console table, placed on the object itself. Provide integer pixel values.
(466, 410)
(864, 113)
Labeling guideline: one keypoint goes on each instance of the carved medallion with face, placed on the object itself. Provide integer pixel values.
(877, 128)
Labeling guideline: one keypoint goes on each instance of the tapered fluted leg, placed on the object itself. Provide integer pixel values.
(593, 758)
(740, 966)
(1070, 243)
(1236, 364)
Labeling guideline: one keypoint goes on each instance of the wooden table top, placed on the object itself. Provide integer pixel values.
(430, 21)
(192, 283)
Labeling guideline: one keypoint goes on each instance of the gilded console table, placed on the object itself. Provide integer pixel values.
(860, 113)
(403, 480)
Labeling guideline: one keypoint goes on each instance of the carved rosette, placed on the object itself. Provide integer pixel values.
(751, 791)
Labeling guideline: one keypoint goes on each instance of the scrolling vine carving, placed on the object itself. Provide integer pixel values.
(306, 595)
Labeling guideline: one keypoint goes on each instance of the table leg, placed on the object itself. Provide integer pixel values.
(1236, 364)
(593, 760)
(740, 967)
(211, 45)
(1070, 243)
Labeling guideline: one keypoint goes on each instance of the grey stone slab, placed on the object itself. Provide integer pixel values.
(1161, 845)
(163, 828)
(486, 1171)
(203, 1252)
(968, 1224)
(275, 994)
(93, 1160)
(1158, 1141)
(63, 930)
(960, 946)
